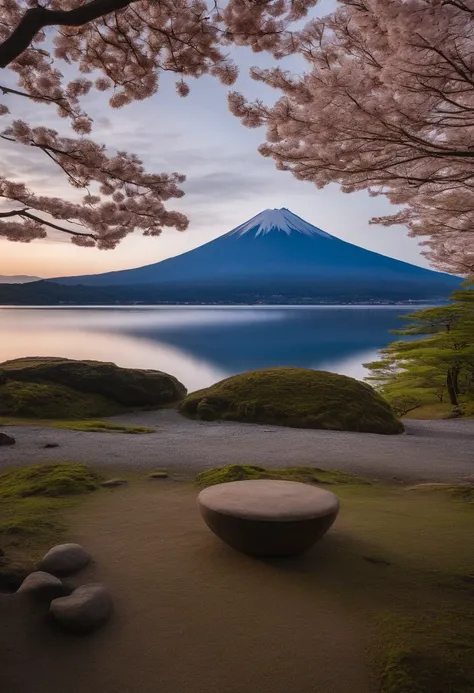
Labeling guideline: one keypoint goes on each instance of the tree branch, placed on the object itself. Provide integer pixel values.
(37, 18)
(25, 214)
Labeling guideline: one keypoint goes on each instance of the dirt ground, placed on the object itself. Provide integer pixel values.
(191, 614)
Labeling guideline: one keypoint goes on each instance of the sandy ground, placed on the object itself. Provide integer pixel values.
(191, 614)
(429, 451)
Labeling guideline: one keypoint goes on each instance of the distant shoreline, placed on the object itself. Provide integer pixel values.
(188, 304)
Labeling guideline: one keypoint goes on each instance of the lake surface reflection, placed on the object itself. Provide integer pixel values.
(201, 345)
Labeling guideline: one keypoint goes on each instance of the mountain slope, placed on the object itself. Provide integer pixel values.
(276, 252)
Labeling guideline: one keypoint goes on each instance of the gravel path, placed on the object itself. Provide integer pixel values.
(429, 451)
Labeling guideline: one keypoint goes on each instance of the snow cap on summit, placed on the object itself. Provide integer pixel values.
(277, 220)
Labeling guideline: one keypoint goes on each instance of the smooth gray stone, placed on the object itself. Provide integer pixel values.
(65, 559)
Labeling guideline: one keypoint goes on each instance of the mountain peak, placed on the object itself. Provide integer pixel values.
(279, 220)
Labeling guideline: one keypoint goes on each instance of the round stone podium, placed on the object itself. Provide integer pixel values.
(266, 517)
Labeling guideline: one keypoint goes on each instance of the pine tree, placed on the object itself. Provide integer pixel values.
(415, 371)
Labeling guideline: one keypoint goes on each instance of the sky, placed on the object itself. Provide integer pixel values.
(227, 182)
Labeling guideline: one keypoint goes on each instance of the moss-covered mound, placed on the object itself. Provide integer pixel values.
(48, 480)
(296, 397)
(69, 389)
(306, 475)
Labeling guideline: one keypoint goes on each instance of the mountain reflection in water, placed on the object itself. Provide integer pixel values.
(201, 345)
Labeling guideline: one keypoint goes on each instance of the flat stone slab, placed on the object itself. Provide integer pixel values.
(268, 517)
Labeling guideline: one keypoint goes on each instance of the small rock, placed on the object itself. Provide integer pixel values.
(42, 585)
(111, 483)
(85, 610)
(158, 475)
(51, 445)
(65, 559)
(6, 439)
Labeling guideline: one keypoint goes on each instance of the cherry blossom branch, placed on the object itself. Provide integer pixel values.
(27, 215)
(36, 18)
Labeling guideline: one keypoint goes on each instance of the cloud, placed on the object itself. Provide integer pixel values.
(226, 185)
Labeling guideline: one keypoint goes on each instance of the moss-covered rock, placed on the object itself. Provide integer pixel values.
(65, 388)
(296, 397)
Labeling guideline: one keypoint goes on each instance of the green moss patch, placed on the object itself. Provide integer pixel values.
(295, 397)
(67, 389)
(89, 425)
(159, 474)
(31, 502)
(311, 475)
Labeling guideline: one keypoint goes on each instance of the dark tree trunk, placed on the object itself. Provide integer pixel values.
(455, 378)
(450, 384)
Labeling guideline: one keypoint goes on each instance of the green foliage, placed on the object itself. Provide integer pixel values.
(308, 475)
(439, 366)
(405, 402)
(296, 397)
(31, 502)
(68, 389)
(431, 411)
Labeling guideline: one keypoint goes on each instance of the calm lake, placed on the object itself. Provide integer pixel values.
(201, 345)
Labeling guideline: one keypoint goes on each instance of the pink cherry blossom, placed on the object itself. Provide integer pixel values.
(119, 47)
(386, 105)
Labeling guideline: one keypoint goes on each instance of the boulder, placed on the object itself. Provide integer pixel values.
(41, 585)
(65, 559)
(6, 439)
(129, 387)
(85, 610)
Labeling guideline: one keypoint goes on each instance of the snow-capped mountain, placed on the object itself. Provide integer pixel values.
(277, 220)
(278, 253)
